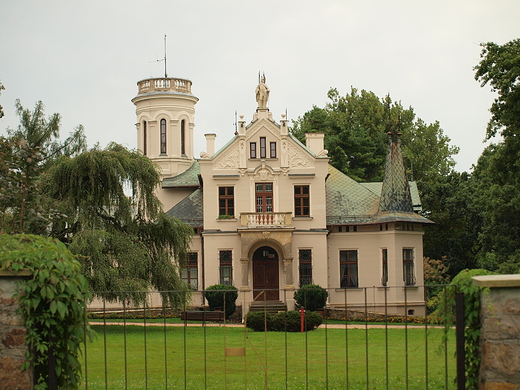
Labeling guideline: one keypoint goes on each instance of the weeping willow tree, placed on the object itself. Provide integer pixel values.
(114, 221)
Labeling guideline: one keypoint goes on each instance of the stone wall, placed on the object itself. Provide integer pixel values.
(500, 337)
(12, 337)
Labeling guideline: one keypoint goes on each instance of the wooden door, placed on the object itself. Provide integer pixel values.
(265, 274)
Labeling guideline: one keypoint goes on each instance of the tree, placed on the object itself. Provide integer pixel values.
(355, 128)
(450, 202)
(1, 108)
(26, 154)
(114, 220)
(498, 169)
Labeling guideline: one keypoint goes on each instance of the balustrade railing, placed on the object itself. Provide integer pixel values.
(282, 219)
(164, 84)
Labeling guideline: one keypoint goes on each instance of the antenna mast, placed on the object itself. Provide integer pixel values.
(165, 73)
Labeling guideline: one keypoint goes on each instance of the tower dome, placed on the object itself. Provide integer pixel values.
(165, 110)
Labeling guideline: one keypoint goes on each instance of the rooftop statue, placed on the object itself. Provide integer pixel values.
(262, 93)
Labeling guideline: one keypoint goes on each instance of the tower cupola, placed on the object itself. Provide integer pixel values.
(165, 110)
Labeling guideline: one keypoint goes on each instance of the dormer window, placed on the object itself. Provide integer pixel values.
(252, 150)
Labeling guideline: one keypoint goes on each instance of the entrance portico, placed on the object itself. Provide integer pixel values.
(267, 264)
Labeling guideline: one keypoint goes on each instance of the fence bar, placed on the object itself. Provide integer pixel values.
(346, 341)
(406, 333)
(459, 316)
(145, 350)
(86, 348)
(366, 336)
(165, 349)
(105, 341)
(124, 344)
(426, 341)
(445, 337)
(386, 338)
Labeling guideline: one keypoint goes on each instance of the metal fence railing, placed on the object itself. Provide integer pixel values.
(372, 343)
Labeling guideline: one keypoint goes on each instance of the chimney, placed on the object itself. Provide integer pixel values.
(210, 143)
(314, 142)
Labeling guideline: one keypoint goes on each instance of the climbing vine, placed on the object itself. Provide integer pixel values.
(446, 310)
(52, 305)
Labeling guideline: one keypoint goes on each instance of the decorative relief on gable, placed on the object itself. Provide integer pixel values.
(228, 160)
(298, 158)
(263, 174)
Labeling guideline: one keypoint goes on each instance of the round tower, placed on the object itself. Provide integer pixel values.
(165, 110)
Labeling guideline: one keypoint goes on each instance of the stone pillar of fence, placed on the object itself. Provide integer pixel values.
(500, 332)
(12, 335)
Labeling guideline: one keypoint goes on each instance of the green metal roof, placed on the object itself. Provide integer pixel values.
(350, 202)
(188, 178)
(347, 200)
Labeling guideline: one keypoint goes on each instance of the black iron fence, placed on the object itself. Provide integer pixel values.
(372, 343)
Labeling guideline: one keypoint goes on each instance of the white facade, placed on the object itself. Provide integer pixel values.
(271, 214)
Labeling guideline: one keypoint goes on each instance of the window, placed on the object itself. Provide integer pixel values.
(226, 268)
(262, 147)
(384, 256)
(183, 138)
(272, 149)
(301, 201)
(252, 150)
(163, 136)
(305, 257)
(226, 201)
(348, 267)
(145, 137)
(408, 273)
(189, 273)
(264, 197)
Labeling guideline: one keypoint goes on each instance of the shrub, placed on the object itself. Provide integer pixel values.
(52, 304)
(311, 296)
(222, 296)
(286, 321)
(290, 321)
(257, 320)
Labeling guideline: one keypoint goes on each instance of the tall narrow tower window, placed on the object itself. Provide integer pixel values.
(145, 137)
(163, 136)
(183, 139)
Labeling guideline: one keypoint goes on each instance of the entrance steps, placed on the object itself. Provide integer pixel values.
(272, 307)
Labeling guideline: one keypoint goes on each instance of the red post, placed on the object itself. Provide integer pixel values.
(302, 319)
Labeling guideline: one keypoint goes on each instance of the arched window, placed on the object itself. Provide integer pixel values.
(163, 136)
(145, 138)
(183, 139)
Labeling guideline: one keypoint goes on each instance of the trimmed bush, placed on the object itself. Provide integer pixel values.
(286, 321)
(223, 297)
(311, 296)
(257, 321)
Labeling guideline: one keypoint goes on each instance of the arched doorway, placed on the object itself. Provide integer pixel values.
(265, 274)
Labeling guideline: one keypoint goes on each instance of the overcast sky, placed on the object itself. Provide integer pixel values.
(83, 59)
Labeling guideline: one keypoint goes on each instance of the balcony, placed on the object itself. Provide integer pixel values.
(164, 85)
(266, 220)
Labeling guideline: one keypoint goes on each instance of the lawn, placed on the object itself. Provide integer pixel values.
(156, 358)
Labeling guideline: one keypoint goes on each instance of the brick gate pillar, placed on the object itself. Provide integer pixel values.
(500, 332)
(12, 335)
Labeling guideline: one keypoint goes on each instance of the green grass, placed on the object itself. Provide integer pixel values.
(274, 360)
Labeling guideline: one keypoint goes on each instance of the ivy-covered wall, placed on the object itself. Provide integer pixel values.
(12, 337)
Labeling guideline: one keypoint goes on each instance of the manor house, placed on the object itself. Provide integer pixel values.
(270, 214)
